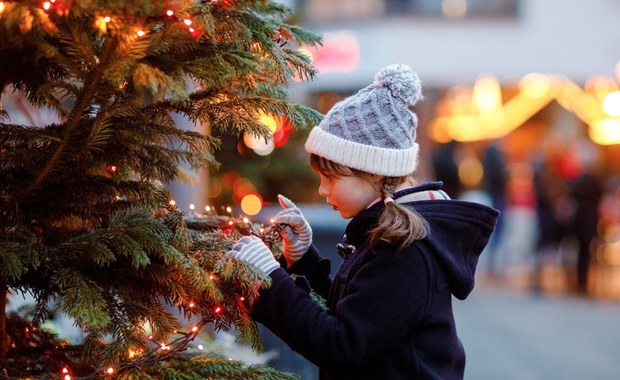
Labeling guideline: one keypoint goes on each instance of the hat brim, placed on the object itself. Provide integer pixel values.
(367, 158)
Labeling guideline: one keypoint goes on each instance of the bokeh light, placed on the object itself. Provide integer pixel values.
(251, 204)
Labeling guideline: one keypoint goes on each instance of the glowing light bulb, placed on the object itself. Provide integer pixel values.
(201, 347)
(191, 304)
(67, 377)
(109, 370)
(65, 370)
(187, 22)
(208, 208)
(228, 209)
(192, 207)
(242, 299)
(218, 310)
(140, 33)
(195, 328)
(169, 12)
(230, 223)
(47, 5)
(172, 202)
(246, 220)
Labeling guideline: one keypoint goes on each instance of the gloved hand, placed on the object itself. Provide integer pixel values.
(295, 231)
(253, 251)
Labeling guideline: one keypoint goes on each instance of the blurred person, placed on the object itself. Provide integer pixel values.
(446, 169)
(494, 183)
(407, 249)
(586, 191)
(554, 211)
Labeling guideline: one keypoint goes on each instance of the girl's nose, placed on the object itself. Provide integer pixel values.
(323, 191)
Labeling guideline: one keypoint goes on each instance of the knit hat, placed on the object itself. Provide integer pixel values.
(373, 130)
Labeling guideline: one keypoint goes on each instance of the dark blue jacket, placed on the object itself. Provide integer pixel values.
(390, 313)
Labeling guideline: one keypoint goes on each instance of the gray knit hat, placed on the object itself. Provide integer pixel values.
(373, 130)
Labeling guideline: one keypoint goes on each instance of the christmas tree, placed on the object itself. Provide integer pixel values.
(87, 225)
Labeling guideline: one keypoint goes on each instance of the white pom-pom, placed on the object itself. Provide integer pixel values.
(401, 81)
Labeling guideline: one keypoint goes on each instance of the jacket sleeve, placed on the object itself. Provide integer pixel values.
(315, 269)
(385, 300)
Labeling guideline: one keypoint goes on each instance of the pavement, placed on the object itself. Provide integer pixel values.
(518, 335)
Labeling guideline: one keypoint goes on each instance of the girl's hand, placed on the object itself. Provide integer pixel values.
(295, 230)
(253, 251)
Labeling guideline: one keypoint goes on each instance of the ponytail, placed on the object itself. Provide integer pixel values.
(398, 225)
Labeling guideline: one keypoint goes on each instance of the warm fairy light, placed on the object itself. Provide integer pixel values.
(228, 209)
(201, 347)
(251, 204)
(164, 347)
(187, 22)
(246, 220)
(65, 370)
(113, 168)
(208, 208)
(272, 220)
(107, 19)
(211, 277)
(109, 370)
(1, 6)
(195, 329)
(218, 310)
(169, 12)
(47, 5)
(172, 202)
(150, 337)
(191, 206)
(241, 299)
(140, 33)
(191, 30)
(191, 304)
(230, 223)
(261, 230)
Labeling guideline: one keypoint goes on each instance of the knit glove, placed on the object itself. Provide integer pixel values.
(253, 251)
(295, 231)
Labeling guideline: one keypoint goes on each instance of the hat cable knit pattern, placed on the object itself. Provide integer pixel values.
(373, 130)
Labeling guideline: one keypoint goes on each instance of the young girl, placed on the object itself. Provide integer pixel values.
(408, 248)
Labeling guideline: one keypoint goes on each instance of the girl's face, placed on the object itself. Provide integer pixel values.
(349, 194)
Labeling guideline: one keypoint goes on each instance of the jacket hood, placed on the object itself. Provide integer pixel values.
(459, 231)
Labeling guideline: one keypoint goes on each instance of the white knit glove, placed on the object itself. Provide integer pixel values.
(253, 251)
(295, 230)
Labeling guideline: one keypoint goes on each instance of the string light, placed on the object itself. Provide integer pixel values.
(47, 5)
(169, 12)
(107, 19)
(109, 370)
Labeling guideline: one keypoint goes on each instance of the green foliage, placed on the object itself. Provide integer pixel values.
(85, 218)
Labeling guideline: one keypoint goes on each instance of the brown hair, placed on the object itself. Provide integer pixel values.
(398, 225)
